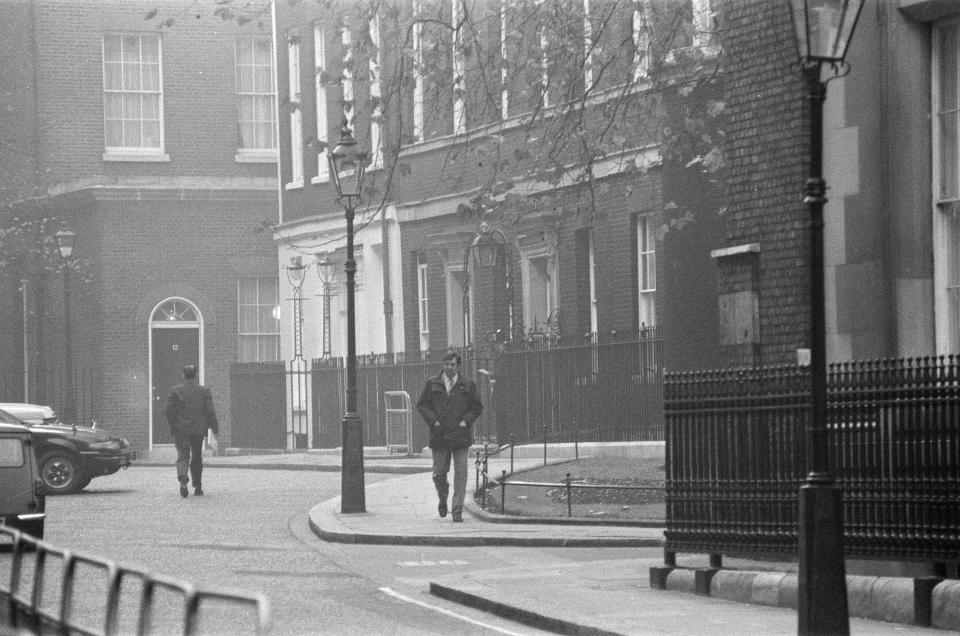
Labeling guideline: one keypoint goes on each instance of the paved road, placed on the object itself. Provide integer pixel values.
(250, 533)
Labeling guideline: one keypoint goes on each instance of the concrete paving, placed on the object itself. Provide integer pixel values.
(602, 597)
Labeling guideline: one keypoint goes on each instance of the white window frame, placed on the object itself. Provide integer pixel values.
(646, 270)
(296, 114)
(455, 309)
(346, 81)
(504, 80)
(459, 69)
(260, 333)
(262, 153)
(423, 306)
(527, 255)
(703, 24)
(544, 67)
(323, 126)
(376, 117)
(418, 83)
(946, 208)
(641, 41)
(133, 153)
(587, 48)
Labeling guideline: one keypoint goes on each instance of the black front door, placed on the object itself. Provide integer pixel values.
(173, 349)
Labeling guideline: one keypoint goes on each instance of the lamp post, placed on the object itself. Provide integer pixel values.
(295, 274)
(485, 246)
(347, 167)
(823, 29)
(65, 243)
(326, 270)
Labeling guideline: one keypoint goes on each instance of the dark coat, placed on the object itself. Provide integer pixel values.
(462, 404)
(190, 409)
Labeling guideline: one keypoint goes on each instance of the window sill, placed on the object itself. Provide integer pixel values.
(255, 156)
(324, 178)
(293, 185)
(152, 156)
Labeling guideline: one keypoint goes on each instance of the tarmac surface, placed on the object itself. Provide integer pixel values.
(601, 597)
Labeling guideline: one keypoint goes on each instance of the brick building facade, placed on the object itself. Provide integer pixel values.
(152, 138)
(573, 255)
(890, 238)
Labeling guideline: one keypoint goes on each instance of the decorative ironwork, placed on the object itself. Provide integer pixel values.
(736, 446)
(295, 274)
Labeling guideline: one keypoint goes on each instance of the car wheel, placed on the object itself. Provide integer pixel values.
(60, 473)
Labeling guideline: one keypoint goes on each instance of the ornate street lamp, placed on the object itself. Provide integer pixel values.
(327, 271)
(348, 162)
(65, 243)
(295, 274)
(823, 30)
(485, 248)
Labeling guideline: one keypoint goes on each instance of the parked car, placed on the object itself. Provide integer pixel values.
(22, 498)
(69, 456)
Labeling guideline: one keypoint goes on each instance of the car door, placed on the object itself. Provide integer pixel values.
(16, 475)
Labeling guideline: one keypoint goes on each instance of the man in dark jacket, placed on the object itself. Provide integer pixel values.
(449, 404)
(190, 413)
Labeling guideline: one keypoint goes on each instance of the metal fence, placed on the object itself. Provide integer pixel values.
(64, 592)
(377, 374)
(532, 390)
(736, 457)
(50, 389)
(598, 391)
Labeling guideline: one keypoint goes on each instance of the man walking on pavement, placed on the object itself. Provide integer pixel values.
(190, 413)
(449, 404)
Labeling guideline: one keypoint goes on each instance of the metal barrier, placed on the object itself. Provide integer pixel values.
(736, 458)
(399, 421)
(26, 609)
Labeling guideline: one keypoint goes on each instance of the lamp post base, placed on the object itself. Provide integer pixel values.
(821, 584)
(352, 497)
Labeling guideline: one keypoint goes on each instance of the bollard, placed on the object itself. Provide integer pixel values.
(544, 427)
(503, 493)
(569, 505)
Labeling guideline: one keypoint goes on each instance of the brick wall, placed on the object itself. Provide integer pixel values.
(146, 231)
(768, 145)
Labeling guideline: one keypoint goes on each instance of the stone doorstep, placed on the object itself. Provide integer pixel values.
(926, 601)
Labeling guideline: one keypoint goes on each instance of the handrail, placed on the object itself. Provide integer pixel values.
(28, 608)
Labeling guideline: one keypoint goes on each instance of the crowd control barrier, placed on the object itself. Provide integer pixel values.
(31, 602)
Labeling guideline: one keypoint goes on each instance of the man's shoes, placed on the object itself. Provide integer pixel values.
(183, 489)
(457, 515)
(198, 491)
(442, 508)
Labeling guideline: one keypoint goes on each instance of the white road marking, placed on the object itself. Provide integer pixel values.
(388, 591)
(425, 563)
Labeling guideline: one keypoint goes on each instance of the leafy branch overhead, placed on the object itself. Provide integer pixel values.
(538, 103)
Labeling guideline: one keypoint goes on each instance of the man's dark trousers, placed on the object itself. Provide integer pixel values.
(189, 453)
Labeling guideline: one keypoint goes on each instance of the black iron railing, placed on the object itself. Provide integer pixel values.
(736, 457)
(27, 606)
(535, 391)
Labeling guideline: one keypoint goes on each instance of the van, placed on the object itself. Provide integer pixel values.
(22, 494)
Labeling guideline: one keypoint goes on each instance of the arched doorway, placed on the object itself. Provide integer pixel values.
(176, 334)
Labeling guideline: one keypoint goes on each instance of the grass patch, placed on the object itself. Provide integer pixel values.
(591, 503)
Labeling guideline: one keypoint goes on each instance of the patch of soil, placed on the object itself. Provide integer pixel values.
(550, 499)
